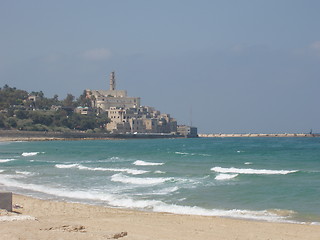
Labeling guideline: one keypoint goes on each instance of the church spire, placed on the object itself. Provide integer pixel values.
(112, 81)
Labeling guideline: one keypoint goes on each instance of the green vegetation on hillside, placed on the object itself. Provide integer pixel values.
(34, 112)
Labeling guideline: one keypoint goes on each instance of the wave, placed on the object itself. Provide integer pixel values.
(248, 163)
(193, 154)
(166, 191)
(151, 205)
(81, 167)
(66, 165)
(163, 191)
(25, 173)
(251, 171)
(181, 153)
(28, 154)
(204, 154)
(224, 176)
(7, 160)
(1, 171)
(143, 181)
(159, 172)
(143, 163)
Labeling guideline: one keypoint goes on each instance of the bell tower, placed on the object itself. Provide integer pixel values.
(112, 81)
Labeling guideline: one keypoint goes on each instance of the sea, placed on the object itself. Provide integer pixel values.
(264, 179)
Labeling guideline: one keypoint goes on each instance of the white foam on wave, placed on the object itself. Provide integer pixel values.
(66, 165)
(248, 163)
(1, 171)
(81, 167)
(182, 153)
(143, 163)
(25, 173)
(151, 205)
(142, 181)
(224, 176)
(204, 154)
(7, 160)
(28, 154)
(159, 172)
(164, 191)
(251, 171)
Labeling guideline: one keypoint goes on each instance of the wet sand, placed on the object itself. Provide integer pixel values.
(61, 220)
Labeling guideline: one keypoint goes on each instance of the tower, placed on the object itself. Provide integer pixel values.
(112, 81)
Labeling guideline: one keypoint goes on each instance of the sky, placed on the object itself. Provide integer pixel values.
(250, 66)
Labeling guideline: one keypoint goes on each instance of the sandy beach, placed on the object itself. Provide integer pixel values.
(42, 219)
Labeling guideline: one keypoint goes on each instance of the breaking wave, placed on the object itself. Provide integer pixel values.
(28, 154)
(143, 181)
(25, 173)
(182, 153)
(251, 171)
(151, 205)
(81, 167)
(224, 176)
(143, 163)
(163, 191)
(7, 160)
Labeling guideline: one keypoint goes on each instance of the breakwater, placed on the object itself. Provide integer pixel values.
(260, 135)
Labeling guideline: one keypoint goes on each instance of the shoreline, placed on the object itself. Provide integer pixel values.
(16, 135)
(65, 220)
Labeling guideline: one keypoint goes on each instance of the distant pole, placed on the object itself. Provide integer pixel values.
(112, 81)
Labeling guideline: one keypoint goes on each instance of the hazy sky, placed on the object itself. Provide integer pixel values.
(234, 66)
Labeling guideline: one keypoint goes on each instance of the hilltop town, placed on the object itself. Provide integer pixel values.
(109, 111)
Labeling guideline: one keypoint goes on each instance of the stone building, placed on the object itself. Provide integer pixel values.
(187, 131)
(138, 120)
(125, 113)
(103, 100)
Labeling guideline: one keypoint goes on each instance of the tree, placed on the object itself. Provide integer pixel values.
(41, 118)
(83, 100)
(22, 114)
(12, 122)
(68, 101)
(2, 121)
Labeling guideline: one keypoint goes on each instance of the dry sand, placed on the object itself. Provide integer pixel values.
(61, 220)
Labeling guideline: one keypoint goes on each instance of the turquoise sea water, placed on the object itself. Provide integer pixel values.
(272, 179)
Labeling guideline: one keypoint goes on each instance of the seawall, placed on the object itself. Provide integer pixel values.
(259, 135)
(15, 135)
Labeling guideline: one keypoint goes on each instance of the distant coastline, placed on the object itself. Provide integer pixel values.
(16, 135)
(221, 135)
